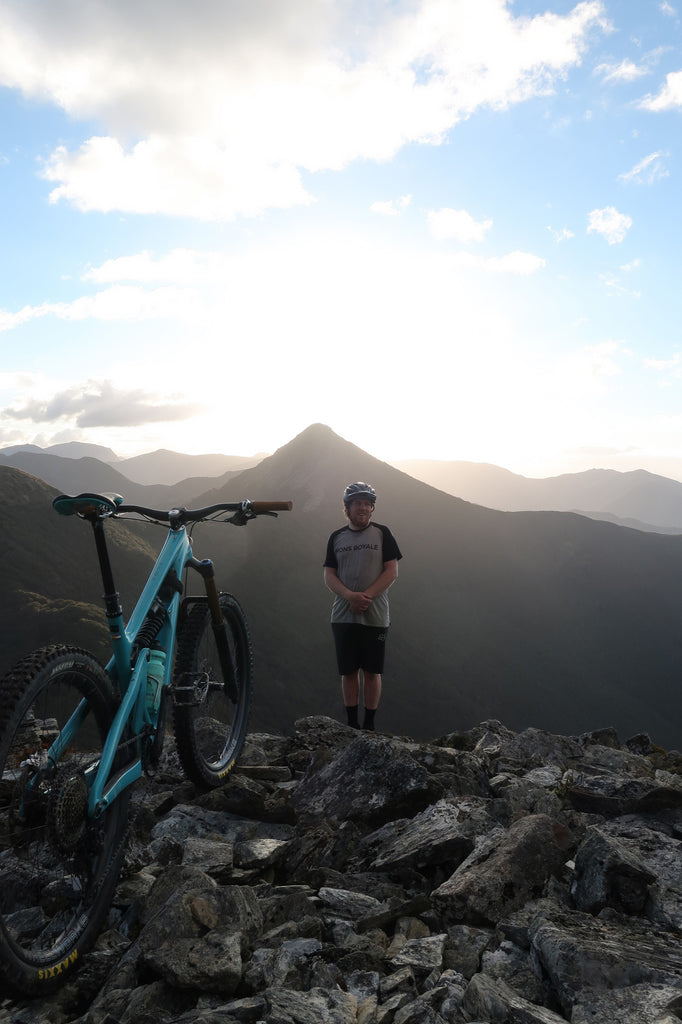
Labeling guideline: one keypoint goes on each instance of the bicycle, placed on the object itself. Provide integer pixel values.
(75, 736)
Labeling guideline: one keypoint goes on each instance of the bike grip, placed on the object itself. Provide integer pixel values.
(271, 506)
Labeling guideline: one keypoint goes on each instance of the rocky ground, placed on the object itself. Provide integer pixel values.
(352, 878)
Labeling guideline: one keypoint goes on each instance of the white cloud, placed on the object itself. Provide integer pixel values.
(179, 266)
(391, 207)
(613, 284)
(608, 222)
(649, 170)
(99, 404)
(667, 9)
(669, 97)
(221, 291)
(523, 263)
(457, 224)
(672, 365)
(625, 71)
(256, 93)
(562, 235)
(189, 177)
(119, 303)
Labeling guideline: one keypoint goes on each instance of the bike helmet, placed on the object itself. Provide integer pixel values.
(359, 490)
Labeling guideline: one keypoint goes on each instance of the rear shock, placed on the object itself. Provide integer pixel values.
(156, 617)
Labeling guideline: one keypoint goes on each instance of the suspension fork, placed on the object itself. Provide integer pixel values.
(206, 570)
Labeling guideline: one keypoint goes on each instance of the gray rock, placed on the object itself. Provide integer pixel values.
(638, 1004)
(608, 873)
(442, 834)
(421, 954)
(633, 868)
(581, 954)
(613, 793)
(353, 905)
(245, 1011)
(492, 1000)
(513, 965)
(535, 748)
(418, 1012)
(187, 821)
(209, 963)
(465, 948)
(214, 856)
(506, 870)
(363, 985)
(258, 853)
(286, 1007)
(371, 780)
(461, 773)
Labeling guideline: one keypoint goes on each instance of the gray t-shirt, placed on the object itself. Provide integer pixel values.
(358, 557)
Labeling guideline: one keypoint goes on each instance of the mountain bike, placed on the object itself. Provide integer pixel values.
(75, 736)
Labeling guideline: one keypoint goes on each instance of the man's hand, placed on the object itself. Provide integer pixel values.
(359, 602)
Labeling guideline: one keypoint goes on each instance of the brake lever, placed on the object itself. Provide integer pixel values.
(240, 518)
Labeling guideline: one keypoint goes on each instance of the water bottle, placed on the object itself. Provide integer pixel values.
(156, 670)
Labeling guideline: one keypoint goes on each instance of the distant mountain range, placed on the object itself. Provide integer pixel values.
(536, 618)
(159, 467)
(69, 450)
(640, 500)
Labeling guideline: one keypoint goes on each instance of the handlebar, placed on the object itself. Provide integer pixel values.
(101, 506)
(241, 510)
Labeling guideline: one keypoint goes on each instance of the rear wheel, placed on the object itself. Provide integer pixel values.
(211, 713)
(58, 866)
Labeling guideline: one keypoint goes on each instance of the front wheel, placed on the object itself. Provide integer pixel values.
(58, 866)
(211, 713)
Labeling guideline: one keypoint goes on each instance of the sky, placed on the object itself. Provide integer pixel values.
(448, 229)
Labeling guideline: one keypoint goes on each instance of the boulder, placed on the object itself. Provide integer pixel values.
(506, 869)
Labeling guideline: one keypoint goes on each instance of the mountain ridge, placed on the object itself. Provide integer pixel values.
(160, 468)
(636, 499)
(544, 619)
(649, 500)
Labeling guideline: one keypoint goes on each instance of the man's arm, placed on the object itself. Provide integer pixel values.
(384, 581)
(358, 602)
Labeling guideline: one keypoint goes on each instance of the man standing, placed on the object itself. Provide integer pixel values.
(360, 565)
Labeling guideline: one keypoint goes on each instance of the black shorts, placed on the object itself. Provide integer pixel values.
(359, 647)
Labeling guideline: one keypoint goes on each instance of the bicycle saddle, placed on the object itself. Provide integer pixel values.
(87, 504)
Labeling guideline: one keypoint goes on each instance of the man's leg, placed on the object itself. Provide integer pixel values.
(371, 688)
(350, 688)
(345, 641)
(372, 662)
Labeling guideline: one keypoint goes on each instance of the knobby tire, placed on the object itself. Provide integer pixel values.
(58, 868)
(210, 727)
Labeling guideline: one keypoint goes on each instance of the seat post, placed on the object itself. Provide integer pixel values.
(111, 601)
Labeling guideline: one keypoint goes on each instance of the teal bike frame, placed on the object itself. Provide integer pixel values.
(175, 555)
(160, 600)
